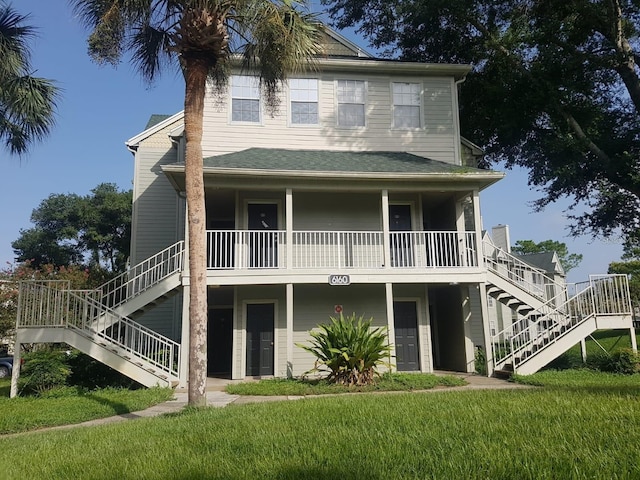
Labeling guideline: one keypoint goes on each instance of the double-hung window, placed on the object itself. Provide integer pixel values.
(245, 99)
(351, 103)
(406, 105)
(303, 93)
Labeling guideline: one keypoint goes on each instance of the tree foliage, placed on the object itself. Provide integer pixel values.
(555, 88)
(92, 230)
(27, 103)
(567, 260)
(201, 37)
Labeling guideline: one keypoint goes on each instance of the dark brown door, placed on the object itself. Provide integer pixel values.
(401, 244)
(406, 332)
(260, 339)
(263, 243)
(219, 341)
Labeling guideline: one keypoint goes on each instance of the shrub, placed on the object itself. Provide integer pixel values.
(91, 374)
(349, 349)
(43, 370)
(480, 361)
(624, 361)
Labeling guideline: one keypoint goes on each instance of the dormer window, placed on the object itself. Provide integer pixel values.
(406, 105)
(303, 93)
(245, 99)
(351, 102)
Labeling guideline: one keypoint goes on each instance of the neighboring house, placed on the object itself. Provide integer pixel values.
(357, 194)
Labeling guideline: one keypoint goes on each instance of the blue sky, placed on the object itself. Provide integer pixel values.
(102, 107)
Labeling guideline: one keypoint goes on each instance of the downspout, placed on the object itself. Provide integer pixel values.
(456, 109)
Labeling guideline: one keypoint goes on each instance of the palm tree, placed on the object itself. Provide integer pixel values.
(202, 37)
(27, 103)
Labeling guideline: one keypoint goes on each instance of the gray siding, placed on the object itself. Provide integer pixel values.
(336, 211)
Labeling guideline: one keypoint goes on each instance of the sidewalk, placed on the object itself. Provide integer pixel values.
(216, 397)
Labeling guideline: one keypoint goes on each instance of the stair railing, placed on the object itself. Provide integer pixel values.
(142, 276)
(602, 295)
(512, 269)
(45, 304)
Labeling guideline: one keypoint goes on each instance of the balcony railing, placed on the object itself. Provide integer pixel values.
(249, 249)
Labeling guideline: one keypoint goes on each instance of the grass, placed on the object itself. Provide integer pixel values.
(69, 406)
(568, 429)
(387, 382)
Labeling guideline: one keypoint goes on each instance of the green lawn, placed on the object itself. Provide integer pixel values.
(387, 382)
(578, 426)
(29, 413)
(610, 340)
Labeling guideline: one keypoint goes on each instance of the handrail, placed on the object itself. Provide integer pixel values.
(80, 309)
(142, 276)
(603, 295)
(499, 257)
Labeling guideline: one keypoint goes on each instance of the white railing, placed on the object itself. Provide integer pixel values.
(602, 295)
(433, 249)
(142, 276)
(533, 280)
(315, 249)
(237, 249)
(52, 305)
(243, 249)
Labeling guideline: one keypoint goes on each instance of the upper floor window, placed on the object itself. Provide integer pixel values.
(351, 101)
(245, 99)
(303, 93)
(406, 105)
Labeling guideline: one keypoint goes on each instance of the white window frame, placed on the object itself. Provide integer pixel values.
(404, 99)
(248, 92)
(297, 90)
(365, 88)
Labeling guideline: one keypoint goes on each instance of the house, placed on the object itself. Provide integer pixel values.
(358, 194)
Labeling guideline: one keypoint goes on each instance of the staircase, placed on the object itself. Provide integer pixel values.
(550, 318)
(97, 322)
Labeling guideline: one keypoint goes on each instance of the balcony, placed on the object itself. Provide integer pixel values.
(274, 250)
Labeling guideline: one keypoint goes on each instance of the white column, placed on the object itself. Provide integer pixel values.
(15, 372)
(426, 357)
(385, 229)
(289, 227)
(462, 244)
(583, 350)
(634, 343)
(486, 327)
(477, 221)
(469, 347)
(391, 334)
(289, 330)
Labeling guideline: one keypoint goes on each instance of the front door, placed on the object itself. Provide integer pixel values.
(260, 339)
(405, 316)
(401, 239)
(219, 341)
(263, 241)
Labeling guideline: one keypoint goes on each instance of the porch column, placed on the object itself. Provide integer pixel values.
(385, 231)
(426, 357)
(15, 372)
(486, 328)
(469, 348)
(289, 330)
(391, 334)
(289, 228)
(634, 343)
(186, 323)
(477, 223)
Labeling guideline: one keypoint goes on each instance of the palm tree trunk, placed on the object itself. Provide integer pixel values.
(195, 73)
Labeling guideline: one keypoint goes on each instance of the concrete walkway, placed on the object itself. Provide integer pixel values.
(217, 397)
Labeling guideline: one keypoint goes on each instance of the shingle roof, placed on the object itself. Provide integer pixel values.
(544, 261)
(333, 161)
(155, 119)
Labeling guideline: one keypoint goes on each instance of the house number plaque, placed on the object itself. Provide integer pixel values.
(339, 280)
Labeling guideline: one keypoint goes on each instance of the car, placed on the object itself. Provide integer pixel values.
(6, 365)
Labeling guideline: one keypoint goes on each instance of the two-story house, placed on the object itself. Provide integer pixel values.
(358, 194)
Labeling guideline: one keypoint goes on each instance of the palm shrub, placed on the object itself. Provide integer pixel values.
(349, 349)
